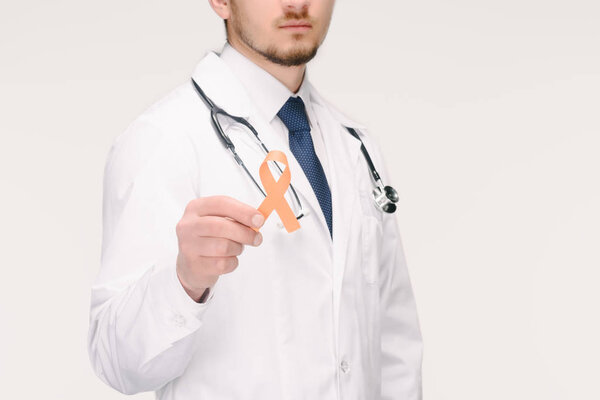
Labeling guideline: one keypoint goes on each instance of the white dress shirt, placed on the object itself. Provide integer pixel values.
(303, 316)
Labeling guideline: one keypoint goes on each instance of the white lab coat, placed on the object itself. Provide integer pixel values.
(302, 317)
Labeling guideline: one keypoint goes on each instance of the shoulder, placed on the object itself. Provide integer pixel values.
(171, 113)
(161, 133)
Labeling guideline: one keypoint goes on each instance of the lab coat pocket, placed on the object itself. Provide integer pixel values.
(371, 237)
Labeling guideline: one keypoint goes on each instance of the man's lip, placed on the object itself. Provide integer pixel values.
(296, 24)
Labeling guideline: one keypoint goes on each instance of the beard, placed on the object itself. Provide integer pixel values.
(295, 56)
(299, 53)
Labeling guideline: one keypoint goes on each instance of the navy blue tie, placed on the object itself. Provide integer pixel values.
(293, 115)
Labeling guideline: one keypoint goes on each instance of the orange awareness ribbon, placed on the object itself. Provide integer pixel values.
(276, 190)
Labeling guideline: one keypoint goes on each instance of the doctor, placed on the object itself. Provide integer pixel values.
(193, 303)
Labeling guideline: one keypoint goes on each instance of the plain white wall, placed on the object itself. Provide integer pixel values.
(487, 112)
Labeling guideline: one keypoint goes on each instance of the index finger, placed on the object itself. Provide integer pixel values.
(226, 206)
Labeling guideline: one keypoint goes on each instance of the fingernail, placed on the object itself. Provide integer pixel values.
(257, 239)
(258, 220)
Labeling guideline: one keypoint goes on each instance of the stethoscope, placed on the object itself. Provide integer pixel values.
(385, 197)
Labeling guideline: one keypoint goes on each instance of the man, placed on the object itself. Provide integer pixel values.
(194, 303)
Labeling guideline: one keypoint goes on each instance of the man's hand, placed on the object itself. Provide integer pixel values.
(211, 234)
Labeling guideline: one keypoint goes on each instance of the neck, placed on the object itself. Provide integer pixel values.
(290, 76)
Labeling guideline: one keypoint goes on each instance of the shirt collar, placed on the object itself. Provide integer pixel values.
(266, 91)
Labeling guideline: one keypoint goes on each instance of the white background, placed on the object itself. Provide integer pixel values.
(488, 115)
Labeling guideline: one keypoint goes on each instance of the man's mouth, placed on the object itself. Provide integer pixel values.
(297, 26)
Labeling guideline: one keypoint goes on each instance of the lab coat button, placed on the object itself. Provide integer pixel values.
(179, 320)
(344, 366)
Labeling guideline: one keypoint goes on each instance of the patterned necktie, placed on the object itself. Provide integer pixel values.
(293, 115)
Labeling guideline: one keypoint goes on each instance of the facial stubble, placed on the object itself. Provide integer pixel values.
(298, 55)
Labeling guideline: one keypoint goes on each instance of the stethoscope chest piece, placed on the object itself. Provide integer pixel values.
(386, 199)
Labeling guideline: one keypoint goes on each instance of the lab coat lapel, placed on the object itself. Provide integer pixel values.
(226, 91)
(342, 152)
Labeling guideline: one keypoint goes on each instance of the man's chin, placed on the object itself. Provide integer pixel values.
(292, 55)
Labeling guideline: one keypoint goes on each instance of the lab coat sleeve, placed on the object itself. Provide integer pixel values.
(142, 322)
(401, 341)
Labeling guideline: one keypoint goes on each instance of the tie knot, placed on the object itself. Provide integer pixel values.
(293, 115)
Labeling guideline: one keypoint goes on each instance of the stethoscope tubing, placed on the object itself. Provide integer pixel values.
(387, 193)
(215, 111)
